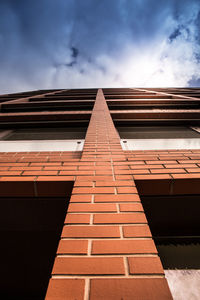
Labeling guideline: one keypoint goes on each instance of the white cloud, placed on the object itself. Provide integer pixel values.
(119, 44)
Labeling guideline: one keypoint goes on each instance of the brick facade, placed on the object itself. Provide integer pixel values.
(106, 250)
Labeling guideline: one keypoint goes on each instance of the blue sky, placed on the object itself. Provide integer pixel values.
(99, 43)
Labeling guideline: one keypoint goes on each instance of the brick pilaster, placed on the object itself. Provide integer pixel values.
(106, 250)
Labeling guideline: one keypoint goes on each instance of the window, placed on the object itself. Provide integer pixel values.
(172, 210)
(42, 139)
(158, 137)
(31, 220)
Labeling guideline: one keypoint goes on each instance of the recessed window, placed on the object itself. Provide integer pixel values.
(45, 134)
(42, 139)
(30, 227)
(175, 226)
(158, 137)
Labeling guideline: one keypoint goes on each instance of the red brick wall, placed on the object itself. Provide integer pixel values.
(171, 163)
(106, 250)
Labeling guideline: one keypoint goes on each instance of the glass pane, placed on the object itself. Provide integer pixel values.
(184, 284)
(47, 134)
(156, 132)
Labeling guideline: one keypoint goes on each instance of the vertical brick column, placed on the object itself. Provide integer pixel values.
(106, 250)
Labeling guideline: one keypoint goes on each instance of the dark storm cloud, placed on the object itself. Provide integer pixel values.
(75, 43)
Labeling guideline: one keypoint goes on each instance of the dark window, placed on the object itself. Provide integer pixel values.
(158, 137)
(46, 134)
(173, 217)
(30, 228)
(156, 132)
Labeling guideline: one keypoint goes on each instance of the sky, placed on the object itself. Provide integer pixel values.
(47, 44)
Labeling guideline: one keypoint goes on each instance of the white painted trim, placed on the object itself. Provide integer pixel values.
(160, 144)
(41, 145)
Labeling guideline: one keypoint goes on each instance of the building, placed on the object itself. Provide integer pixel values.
(84, 174)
